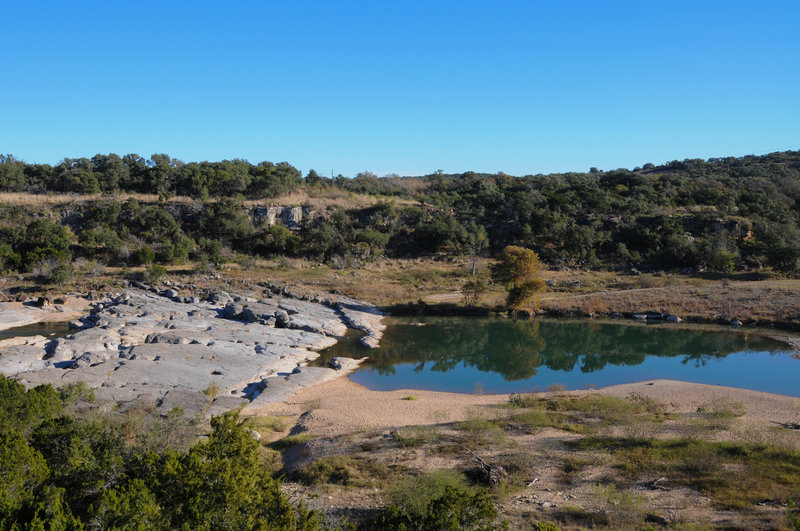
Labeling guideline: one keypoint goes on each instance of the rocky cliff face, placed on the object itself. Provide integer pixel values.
(291, 216)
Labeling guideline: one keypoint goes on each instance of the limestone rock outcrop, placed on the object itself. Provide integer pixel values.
(203, 356)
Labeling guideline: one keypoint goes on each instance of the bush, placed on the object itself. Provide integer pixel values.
(525, 295)
(144, 255)
(154, 273)
(334, 469)
(472, 291)
(455, 509)
(45, 240)
(412, 495)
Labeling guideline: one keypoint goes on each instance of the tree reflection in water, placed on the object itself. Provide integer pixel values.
(516, 349)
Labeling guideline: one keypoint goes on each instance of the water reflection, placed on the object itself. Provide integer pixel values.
(516, 349)
(519, 350)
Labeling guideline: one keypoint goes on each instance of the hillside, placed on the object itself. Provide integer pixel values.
(720, 215)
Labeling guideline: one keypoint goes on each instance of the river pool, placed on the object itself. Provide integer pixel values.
(490, 355)
(46, 329)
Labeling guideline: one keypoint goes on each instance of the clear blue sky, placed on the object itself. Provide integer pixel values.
(403, 86)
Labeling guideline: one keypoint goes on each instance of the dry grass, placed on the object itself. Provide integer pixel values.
(315, 198)
(10, 198)
(761, 301)
(389, 282)
(322, 198)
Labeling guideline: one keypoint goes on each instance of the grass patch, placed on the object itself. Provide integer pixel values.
(734, 475)
(343, 470)
(586, 413)
(621, 506)
(533, 419)
(482, 431)
(409, 397)
(290, 440)
(578, 516)
(722, 407)
(571, 467)
(415, 436)
(266, 424)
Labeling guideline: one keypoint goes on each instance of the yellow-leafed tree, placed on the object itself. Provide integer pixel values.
(518, 270)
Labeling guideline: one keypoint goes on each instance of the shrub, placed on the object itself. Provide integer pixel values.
(154, 273)
(334, 469)
(414, 436)
(291, 440)
(412, 495)
(212, 391)
(144, 255)
(473, 290)
(455, 509)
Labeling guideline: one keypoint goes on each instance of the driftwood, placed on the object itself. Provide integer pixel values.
(791, 425)
(490, 474)
(655, 484)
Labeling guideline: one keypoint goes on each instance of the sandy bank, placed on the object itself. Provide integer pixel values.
(341, 406)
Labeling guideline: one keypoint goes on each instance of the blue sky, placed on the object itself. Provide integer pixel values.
(407, 87)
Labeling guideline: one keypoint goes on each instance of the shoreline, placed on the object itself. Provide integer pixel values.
(340, 406)
(337, 386)
(423, 309)
(17, 314)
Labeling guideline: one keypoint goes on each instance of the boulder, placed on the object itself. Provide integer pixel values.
(220, 298)
(673, 319)
(281, 318)
(88, 359)
(43, 302)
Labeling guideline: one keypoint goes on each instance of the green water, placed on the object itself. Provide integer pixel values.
(468, 355)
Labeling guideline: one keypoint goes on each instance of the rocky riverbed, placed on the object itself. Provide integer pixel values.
(158, 349)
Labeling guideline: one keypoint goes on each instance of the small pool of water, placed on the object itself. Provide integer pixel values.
(53, 329)
(469, 355)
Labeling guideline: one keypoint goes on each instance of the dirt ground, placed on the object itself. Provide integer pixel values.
(345, 419)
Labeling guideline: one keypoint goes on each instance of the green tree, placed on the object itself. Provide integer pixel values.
(12, 174)
(131, 506)
(221, 484)
(22, 472)
(110, 171)
(84, 457)
(45, 239)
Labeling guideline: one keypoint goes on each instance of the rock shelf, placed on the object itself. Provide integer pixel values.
(159, 350)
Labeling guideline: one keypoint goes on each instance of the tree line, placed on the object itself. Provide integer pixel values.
(725, 214)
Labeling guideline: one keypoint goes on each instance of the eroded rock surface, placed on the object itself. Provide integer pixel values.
(202, 356)
(363, 316)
